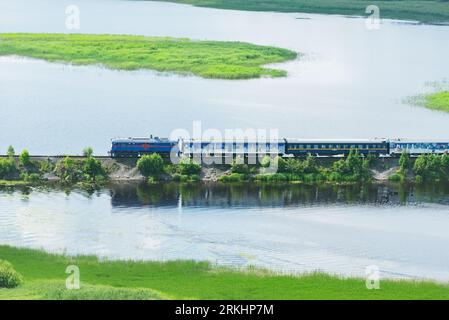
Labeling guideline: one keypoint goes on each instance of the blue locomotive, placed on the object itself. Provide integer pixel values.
(137, 147)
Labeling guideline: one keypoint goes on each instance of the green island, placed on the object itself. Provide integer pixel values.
(436, 101)
(35, 274)
(207, 59)
(90, 173)
(428, 11)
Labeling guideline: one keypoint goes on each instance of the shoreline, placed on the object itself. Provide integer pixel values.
(433, 12)
(125, 170)
(44, 278)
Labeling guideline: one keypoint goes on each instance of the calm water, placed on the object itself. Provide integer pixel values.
(291, 228)
(350, 82)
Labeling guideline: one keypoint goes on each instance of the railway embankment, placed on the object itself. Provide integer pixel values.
(89, 171)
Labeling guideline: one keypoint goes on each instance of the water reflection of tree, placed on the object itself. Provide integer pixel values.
(263, 195)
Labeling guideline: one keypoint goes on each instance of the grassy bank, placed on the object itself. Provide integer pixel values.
(44, 277)
(431, 11)
(208, 59)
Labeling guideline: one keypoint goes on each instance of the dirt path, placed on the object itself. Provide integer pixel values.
(384, 175)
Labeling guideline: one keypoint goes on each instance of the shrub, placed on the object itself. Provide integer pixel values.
(233, 177)
(404, 162)
(46, 166)
(93, 168)
(431, 167)
(265, 162)
(69, 170)
(150, 165)
(7, 167)
(11, 152)
(274, 177)
(395, 177)
(88, 152)
(24, 159)
(30, 177)
(419, 179)
(188, 167)
(9, 278)
(177, 177)
(238, 166)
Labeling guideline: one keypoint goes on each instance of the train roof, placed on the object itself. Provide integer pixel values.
(236, 141)
(419, 141)
(296, 140)
(142, 140)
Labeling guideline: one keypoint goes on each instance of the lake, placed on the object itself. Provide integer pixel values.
(290, 229)
(351, 82)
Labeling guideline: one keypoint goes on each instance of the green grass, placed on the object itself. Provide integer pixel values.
(437, 101)
(432, 11)
(208, 59)
(44, 277)
(14, 183)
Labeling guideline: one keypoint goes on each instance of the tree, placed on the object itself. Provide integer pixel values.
(93, 168)
(150, 165)
(11, 152)
(7, 167)
(88, 152)
(265, 162)
(24, 158)
(445, 165)
(189, 167)
(239, 166)
(404, 163)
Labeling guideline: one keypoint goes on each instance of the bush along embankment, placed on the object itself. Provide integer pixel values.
(86, 172)
(154, 169)
(428, 168)
(353, 169)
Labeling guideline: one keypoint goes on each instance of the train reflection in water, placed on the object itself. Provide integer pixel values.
(263, 196)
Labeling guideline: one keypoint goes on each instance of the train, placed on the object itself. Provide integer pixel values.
(286, 147)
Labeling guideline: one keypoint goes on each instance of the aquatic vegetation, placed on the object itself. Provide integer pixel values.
(421, 10)
(102, 279)
(437, 101)
(208, 59)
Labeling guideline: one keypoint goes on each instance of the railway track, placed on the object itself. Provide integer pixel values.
(58, 156)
